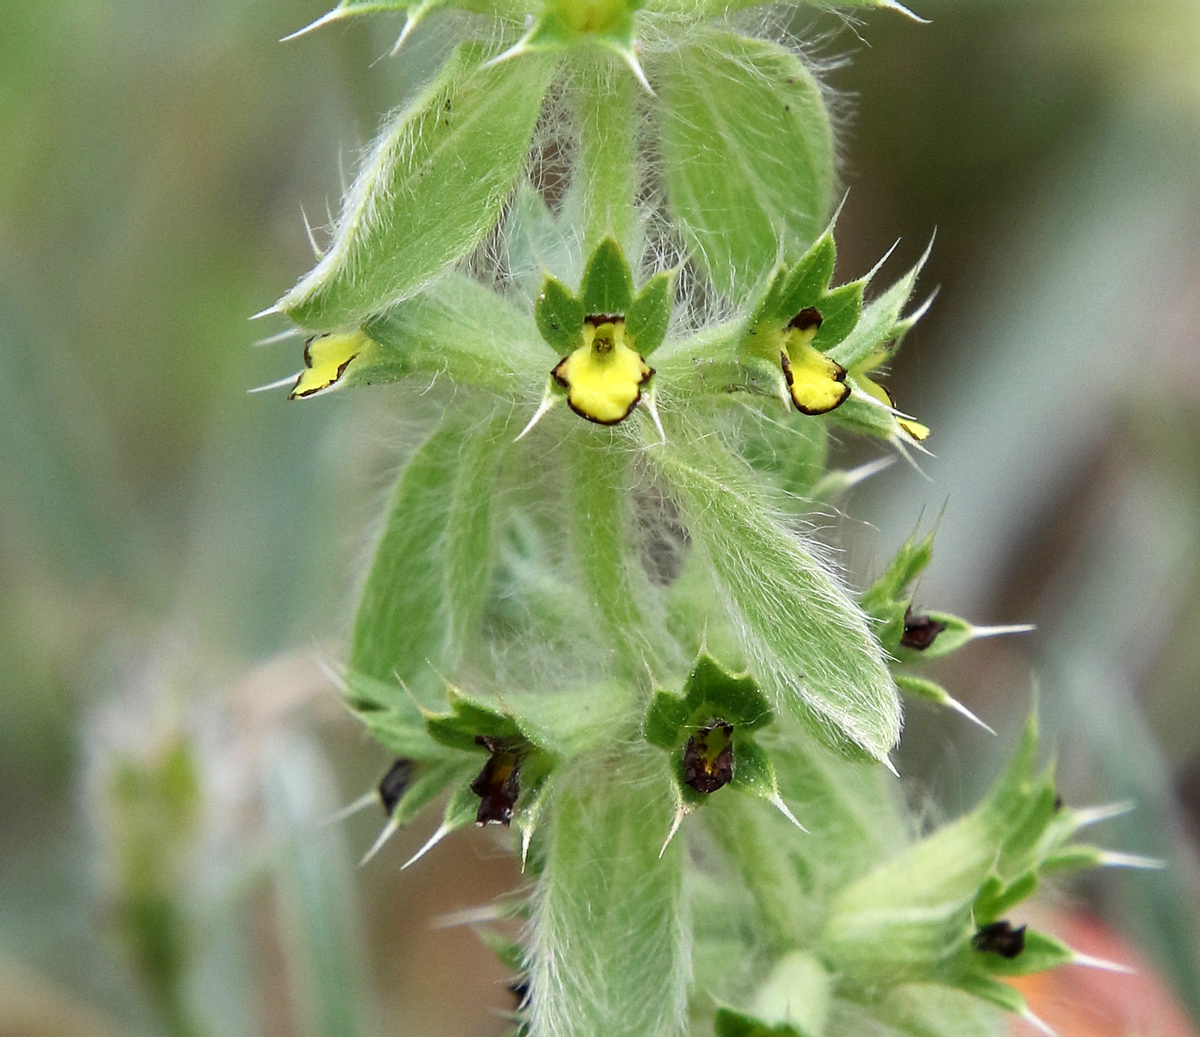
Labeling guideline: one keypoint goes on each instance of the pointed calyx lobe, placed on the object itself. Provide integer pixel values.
(514, 763)
(709, 732)
(605, 332)
(798, 319)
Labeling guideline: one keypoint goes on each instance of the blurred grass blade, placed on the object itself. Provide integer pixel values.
(314, 877)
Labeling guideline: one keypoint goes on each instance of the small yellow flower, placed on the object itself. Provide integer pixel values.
(604, 376)
(879, 392)
(326, 358)
(817, 383)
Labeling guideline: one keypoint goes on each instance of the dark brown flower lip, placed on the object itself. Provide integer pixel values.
(499, 783)
(395, 783)
(1000, 938)
(702, 770)
(807, 319)
(920, 631)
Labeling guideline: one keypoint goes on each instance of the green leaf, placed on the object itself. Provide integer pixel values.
(995, 992)
(752, 770)
(465, 137)
(795, 996)
(462, 329)
(648, 317)
(892, 586)
(931, 691)
(390, 714)
(559, 316)
(575, 720)
(535, 240)
(608, 950)
(601, 529)
(805, 282)
(748, 154)
(431, 780)
(793, 450)
(607, 286)
(918, 905)
(736, 1024)
(433, 564)
(666, 718)
(467, 718)
(867, 418)
(998, 897)
(460, 811)
(810, 645)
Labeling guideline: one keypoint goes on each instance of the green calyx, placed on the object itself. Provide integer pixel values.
(708, 730)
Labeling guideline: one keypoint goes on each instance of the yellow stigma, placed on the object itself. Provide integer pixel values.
(603, 377)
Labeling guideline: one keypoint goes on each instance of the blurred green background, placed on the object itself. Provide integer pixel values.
(177, 556)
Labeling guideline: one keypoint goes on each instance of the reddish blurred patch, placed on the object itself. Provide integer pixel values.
(1088, 1002)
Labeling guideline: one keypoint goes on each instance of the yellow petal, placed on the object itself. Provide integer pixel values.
(873, 389)
(915, 429)
(603, 377)
(817, 384)
(326, 358)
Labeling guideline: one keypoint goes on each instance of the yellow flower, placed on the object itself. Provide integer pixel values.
(879, 392)
(817, 384)
(604, 376)
(326, 358)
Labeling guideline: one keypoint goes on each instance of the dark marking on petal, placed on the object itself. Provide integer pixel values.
(807, 319)
(708, 757)
(557, 376)
(919, 631)
(395, 783)
(499, 783)
(1000, 938)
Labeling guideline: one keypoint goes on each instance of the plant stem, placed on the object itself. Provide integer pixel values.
(604, 96)
(602, 538)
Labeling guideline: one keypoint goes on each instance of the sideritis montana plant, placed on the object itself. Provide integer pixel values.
(599, 243)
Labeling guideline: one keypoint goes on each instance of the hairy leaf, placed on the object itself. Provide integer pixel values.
(434, 561)
(465, 137)
(809, 644)
(608, 953)
(749, 154)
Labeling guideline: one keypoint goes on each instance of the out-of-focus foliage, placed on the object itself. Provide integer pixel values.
(165, 534)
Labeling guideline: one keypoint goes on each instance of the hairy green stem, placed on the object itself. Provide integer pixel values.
(604, 96)
(602, 536)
